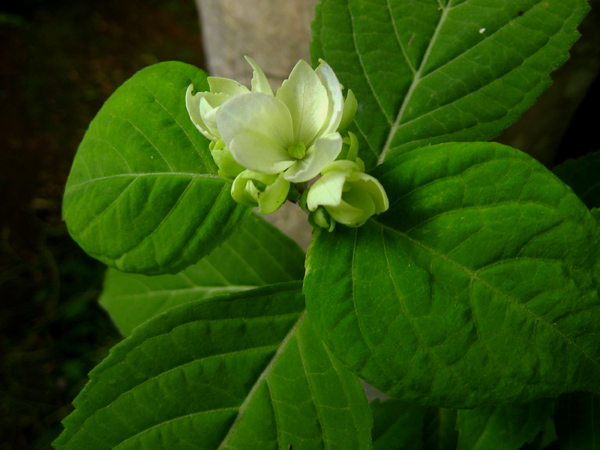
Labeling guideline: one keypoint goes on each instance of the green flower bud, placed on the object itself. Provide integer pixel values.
(349, 195)
(228, 167)
(320, 218)
(268, 192)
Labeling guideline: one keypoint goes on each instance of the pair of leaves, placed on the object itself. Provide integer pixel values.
(432, 71)
(240, 371)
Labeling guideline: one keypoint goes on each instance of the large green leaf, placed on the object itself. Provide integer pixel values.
(243, 371)
(432, 71)
(257, 254)
(581, 175)
(397, 425)
(143, 194)
(577, 421)
(504, 427)
(476, 287)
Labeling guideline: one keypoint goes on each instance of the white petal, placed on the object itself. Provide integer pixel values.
(273, 196)
(323, 152)
(336, 100)
(327, 190)
(259, 80)
(307, 100)
(192, 104)
(256, 113)
(257, 152)
(220, 85)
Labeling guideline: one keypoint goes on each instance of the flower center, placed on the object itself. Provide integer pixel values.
(297, 151)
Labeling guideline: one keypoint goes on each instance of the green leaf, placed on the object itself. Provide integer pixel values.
(397, 425)
(243, 371)
(577, 421)
(504, 427)
(257, 254)
(143, 194)
(432, 71)
(439, 431)
(581, 175)
(476, 287)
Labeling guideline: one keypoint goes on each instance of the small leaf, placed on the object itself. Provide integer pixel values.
(504, 427)
(143, 194)
(478, 286)
(397, 425)
(432, 71)
(577, 421)
(257, 254)
(581, 175)
(243, 371)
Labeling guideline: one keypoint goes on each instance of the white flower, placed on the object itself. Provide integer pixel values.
(294, 132)
(347, 194)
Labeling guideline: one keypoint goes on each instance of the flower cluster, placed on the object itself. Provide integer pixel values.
(270, 146)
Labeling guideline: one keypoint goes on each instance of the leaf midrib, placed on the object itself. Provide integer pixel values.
(136, 175)
(261, 378)
(414, 84)
(175, 292)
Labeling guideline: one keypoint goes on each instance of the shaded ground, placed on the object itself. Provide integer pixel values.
(60, 62)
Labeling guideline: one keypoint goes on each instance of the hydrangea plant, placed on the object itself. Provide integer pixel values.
(458, 276)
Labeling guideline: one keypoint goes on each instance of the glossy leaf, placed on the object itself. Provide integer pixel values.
(577, 421)
(397, 425)
(478, 286)
(504, 427)
(581, 175)
(243, 371)
(143, 194)
(257, 254)
(432, 71)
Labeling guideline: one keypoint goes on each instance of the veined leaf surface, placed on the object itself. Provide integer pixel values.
(432, 71)
(257, 254)
(244, 371)
(478, 286)
(143, 194)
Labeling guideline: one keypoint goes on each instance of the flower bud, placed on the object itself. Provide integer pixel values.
(320, 218)
(349, 195)
(268, 192)
(228, 167)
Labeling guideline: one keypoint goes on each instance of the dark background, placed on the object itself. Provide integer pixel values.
(59, 61)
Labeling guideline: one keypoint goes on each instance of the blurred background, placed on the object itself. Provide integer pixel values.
(60, 60)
